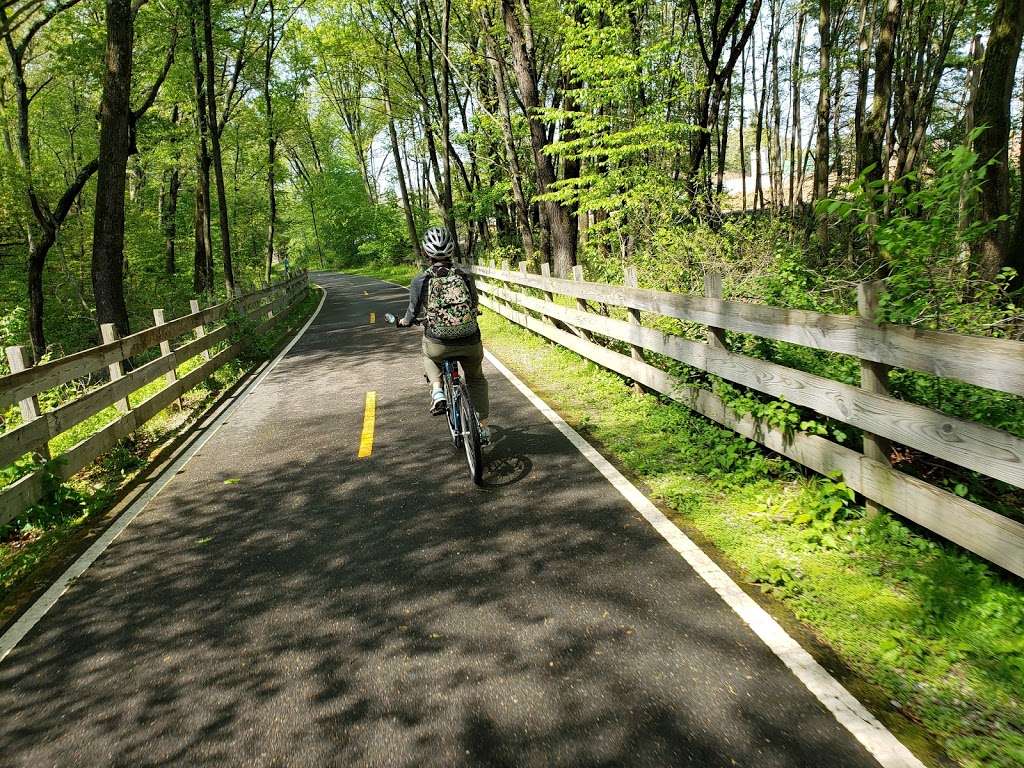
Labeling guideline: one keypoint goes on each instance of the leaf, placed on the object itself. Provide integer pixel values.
(232, 481)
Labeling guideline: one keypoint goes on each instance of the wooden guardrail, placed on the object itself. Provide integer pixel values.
(266, 307)
(995, 364)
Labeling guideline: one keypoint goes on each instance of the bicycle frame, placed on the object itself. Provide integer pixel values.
(452, 377)
(463, 422)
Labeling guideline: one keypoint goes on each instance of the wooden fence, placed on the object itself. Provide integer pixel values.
(995, 364)
(266, 307)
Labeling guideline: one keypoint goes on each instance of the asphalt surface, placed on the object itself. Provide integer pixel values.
(282, 602)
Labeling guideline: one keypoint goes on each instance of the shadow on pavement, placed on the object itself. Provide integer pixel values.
(282, 603)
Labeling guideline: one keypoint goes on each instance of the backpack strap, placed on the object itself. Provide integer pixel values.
(423, 292)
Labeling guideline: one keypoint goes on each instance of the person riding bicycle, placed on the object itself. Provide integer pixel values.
(448, 300)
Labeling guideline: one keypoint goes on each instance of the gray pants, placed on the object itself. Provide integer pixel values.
(470, 356)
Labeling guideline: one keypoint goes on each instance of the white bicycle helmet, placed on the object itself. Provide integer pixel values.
(438, 244)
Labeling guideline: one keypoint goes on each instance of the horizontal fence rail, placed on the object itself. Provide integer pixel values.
(266, 308)
(991, 363)
(988, 451)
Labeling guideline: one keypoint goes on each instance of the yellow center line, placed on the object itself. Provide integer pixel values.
(373, 318)
(369, 416)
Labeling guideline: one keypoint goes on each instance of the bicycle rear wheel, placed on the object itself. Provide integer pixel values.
(452, 415)
(470, 435)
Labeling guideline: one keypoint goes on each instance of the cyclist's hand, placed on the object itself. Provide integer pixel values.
(403, 323)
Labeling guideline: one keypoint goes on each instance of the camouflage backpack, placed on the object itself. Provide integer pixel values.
(450, 311)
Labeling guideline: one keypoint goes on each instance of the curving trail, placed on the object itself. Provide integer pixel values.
(282, 602)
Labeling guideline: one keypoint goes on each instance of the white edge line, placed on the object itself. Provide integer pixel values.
(14, 635)
(850, 713)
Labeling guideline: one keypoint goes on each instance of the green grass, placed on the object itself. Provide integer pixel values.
(29, 542)
(937, 632)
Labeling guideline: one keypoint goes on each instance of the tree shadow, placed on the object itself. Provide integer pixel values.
(281, 602)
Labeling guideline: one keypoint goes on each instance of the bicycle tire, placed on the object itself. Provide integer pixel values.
(453, 417)
(471, 435)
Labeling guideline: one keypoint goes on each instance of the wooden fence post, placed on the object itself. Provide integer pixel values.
(581, 305)
(20, 359)
(200, 329)
(545, 272)
(713, 290)
(523, 265)
(631, 281)
(874, 377)
(110, 334)
(165, 351)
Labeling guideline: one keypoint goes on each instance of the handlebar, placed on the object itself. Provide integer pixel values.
(392, 320)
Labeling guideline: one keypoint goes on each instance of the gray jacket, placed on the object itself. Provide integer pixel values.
(418, 295)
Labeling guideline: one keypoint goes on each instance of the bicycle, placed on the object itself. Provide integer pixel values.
(460, 412)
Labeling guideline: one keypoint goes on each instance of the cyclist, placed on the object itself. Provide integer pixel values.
(447, 297)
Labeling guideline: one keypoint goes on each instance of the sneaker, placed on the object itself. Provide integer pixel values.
(438, 404)
(485, 436)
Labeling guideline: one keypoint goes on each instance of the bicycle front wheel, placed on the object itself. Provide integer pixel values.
(470, 435)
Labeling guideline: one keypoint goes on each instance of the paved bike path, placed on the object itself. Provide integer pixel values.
(282, 602)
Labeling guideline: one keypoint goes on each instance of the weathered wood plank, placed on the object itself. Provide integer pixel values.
(18, 386)
(18, 360)
(81, 455)
(19, 496)
(116, 368)
(84, 453)
(200, 330)
(25, 491)
(713, 290)
(991, 452)
(165, 346)
(874, 377)
(34, 436)
(991, 363)
(631, 281)
(986, 533)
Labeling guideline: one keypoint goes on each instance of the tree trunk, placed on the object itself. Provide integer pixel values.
(561, 225)
(869, 150)
(991, 252)
(759, 133)
(268, 103)
(821, 151)
(170, 222)
(410, 218)
(37, 252)
(743, 159)
(775, 158)
(446, 128)
(796, 143)
(169, 207)
(723, 131)
(865, 34)
(218, 167)
(837, 102)
(115, 117)
(505, 119)
(202, 275)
